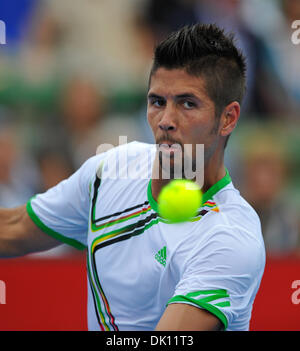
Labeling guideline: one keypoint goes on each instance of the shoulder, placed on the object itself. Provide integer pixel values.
(235, 212)
(238, 215)
(128, 151)
(230, 232)
(110, 158)
(233, 233)
(136, 147)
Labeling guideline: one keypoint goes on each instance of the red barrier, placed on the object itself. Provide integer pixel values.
(277, 304)
(50, 294)
(44, 294)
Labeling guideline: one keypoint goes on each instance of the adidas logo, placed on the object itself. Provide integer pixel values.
(161, 256)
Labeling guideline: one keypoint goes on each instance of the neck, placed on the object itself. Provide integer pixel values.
(214, 170)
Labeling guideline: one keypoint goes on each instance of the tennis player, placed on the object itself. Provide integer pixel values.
(143, 272)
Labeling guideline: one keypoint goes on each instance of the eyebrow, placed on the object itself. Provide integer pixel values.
(151, 96)
(180, 96)
(186, 95)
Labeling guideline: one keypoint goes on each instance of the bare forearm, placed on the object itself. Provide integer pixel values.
(10, 235)
(20, 236)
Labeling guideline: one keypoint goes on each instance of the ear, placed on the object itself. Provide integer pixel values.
(229, 118)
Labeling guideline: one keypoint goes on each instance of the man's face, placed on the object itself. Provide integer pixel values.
(180, 112)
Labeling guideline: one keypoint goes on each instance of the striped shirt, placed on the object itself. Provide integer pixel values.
(137, 262)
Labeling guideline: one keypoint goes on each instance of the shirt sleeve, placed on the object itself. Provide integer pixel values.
(63, 211)
(222, 276)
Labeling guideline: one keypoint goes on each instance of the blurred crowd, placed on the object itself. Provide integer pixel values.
(74, 74)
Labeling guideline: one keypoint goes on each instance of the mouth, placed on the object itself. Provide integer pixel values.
(168, 147)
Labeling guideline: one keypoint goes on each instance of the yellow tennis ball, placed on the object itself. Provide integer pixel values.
(179, 200)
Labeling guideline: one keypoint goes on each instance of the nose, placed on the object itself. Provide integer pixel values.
(167, 122)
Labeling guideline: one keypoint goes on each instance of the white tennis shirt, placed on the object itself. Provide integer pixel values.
(137, 262)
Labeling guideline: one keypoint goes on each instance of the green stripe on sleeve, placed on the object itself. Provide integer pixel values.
(208, 307)
(213, 295)
(223, 304)
(50, 231)
(222, 292)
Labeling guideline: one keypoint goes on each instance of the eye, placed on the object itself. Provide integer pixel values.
(188, 104)
(157, 102)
